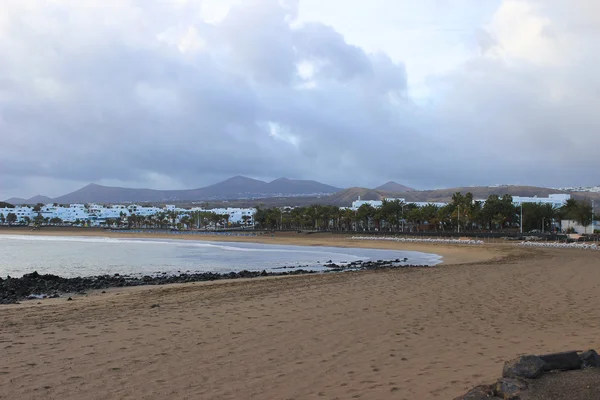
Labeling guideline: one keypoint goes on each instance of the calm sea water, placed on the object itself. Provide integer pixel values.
(86, 256)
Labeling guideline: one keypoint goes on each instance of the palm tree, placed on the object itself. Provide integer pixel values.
(246, 219)
(186, 221)
(365, 213)
(583, 214)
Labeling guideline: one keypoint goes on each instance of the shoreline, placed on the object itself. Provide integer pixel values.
(34, 286)
(451, 254)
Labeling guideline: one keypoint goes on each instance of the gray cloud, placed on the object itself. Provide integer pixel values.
(153, 96)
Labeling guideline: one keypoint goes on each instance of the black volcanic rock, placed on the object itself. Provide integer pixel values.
(14, 289)
(561, 361)
(590, 359)
(528, 366)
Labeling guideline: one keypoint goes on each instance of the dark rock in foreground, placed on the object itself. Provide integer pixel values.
(510, 388)
(529, 367)
(14, 289)
(478, 393)
(590, 359)
(561, 361)
(557, 376)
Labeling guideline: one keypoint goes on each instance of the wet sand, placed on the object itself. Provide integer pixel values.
(403, 334)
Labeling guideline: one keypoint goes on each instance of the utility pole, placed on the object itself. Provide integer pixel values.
(458, 221)
(521, 220)
(403, 218)
(592, 217)
(543, 220)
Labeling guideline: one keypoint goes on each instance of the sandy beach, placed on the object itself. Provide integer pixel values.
(428, 333)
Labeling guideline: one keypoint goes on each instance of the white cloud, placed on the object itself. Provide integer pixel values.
(182, 93)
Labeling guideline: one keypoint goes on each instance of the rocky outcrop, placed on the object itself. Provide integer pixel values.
(530, 377)
(529, 367)
(589, 359)
(564, 361)
(509, 388)
(482, 392)
(36, 286)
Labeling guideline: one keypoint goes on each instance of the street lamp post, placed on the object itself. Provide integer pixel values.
(521, 220)
(543, 223)
(403, 217)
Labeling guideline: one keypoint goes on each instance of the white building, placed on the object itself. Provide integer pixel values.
(70, 213)
(236, 215)
(425, 203)
(373, 203)
(378, 203)
(566, 225)
(557, 200)
(96, 215)
(21, 212)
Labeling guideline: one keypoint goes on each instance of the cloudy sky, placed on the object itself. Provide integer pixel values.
(183, 93)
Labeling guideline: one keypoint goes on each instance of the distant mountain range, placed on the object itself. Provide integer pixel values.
(241, 190)
(238, 187)
(394, 187)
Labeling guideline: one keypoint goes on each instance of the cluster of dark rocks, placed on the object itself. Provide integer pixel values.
(520, 374)
(370, 265)
(35, 285)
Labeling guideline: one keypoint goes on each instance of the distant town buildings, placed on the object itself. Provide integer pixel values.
(567, 225)
(99, 215)
(556, 200)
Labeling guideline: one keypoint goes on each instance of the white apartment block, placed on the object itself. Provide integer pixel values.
(557, 200)
(96, 215)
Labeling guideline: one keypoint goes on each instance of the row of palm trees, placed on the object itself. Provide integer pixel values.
(462, 214)
(176, 219)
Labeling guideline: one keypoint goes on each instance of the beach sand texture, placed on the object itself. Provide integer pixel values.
(401, 334)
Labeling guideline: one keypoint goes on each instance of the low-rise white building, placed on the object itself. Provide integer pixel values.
(557, 200)
(96, 215)
(21, 212)
(570, 225)
(373, 203)
(378, 203)
(237, 216)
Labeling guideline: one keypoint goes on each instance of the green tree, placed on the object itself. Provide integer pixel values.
(583, 214)
(11, 218)
(39, 219)
(56, 221)
(365, 215)
(430, 216)
(537, 216)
